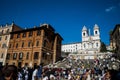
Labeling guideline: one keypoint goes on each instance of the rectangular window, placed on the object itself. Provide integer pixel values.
(27, 56)
(7, 31)
(36, 54)
(5, 37)
(44, 43)
(18, 35)
(8, 56)
(11, 37)
(0, 38)
(37, 43)
(9, 45)
(38, 32)
(2, 31)
(14, 56)
(44, 55)
(29, 43)
(46, 34)
(51, 57)
(20, 56)
(96, 44)
(84, 46)
(22, 44)
(17, 45)
(24, 35)
(2, 55)
(30, 34)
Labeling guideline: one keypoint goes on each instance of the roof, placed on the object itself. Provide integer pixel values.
(117, 26)
(72, 43)
(96, 26)
(35, 28)
(84, 28)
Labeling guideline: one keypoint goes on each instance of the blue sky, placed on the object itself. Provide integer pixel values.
(66, 16)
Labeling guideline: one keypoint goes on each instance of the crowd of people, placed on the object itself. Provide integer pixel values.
(98, 69)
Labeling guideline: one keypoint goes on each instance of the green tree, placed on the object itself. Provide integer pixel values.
(103, 47)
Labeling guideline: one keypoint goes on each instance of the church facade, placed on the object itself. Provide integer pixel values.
(90, 43)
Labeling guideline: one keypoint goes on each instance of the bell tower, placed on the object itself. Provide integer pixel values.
(84, 33)
(96, 30)
(96, 37)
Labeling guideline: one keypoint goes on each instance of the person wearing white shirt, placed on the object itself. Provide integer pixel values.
(34, 75)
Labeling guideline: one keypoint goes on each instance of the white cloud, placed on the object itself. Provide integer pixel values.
(110, 8)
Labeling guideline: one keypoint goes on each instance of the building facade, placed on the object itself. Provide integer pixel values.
(33, 46)
(71, 47)
(115, 40)
(4, 40)
(90, 43)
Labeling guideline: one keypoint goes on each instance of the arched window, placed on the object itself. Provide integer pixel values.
(83, 34)
(96, 44)
(96, 32)
(4, 45)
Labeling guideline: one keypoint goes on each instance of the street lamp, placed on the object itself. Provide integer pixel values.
(48, 53)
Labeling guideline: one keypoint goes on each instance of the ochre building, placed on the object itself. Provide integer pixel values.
(33, 46)
(115, 40)
(4, 39)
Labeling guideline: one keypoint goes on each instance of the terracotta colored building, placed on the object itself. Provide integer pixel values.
(33, 46)
(115, 40)
(4, 40)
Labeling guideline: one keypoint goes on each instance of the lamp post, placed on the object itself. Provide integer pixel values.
(48, 54)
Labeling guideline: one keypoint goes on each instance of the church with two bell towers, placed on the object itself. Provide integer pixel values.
(90, 43)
